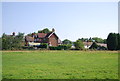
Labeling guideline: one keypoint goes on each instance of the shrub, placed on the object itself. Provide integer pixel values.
(102, 48)
(65, 46)
(79, 45)
(28, 47)
(54, 48)
(43, 45)
(10, 42)
(60, 47)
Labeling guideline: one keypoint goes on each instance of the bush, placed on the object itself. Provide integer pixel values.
(28, 47)
(10, 42)
(60, 47)
(65, 46)
(55, 48)
(43, 45)
(102, 48)
(79, 45)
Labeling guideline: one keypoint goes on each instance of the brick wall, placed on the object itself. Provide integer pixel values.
(53, 40)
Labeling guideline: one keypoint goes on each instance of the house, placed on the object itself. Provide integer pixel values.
(87, 44)
(51, 38)
(102, 44)
(29, 40)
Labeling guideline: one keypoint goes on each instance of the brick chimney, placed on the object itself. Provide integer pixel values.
(13, 34)
(53, 30)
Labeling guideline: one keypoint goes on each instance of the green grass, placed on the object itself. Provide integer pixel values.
(60, 65)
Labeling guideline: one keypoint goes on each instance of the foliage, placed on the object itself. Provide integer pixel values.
(105, 41)
(65, 46)
(98, 40)
(94, 46)
(94, 39)
(0, 43)
(98, 47)
(112, 41)
(60, 65)
(102, 48)
(60, 47)
(12, 42)
(66, 41)
(90, 40)
(55, 48)
(43, 45)
(118, 37)
(30, 34)
(79, 45)
(28, 47)
(46, 30)
(83, 39)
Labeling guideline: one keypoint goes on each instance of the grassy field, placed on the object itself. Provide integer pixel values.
(60, 64)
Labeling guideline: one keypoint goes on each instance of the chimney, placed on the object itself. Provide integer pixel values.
(33, 34)
(13, 33)
(53, 30)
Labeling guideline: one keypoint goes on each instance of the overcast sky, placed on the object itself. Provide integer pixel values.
(71, 20)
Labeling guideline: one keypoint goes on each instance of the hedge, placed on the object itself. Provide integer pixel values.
(43, 45)
(60, 47)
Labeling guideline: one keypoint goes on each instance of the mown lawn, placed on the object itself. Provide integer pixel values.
(60, 65)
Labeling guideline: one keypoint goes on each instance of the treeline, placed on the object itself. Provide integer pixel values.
(113, 41)
(12, 42)
(94, 39)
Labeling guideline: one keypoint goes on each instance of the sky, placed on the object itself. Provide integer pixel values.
(71, 20)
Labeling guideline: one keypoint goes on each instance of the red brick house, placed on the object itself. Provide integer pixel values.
(51, 38)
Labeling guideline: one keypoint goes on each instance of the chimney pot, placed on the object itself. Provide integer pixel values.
(53, 30)
(13, 33)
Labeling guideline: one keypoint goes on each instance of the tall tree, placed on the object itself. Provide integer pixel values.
(112, 41)
(118, 37)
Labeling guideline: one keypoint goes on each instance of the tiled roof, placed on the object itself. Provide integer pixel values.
(48, 34)
(41, 35)
(29, 39)
(88, 43)
(102, 44)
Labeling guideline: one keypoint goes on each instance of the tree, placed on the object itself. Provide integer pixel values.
(30, 34)
(46, 30)
(105, 41)
(12, 42)
(90, 39)
(66, 44)
(66, 41)
(93, 46)
(118, 37)
(0, 43)
(112, 41)
(79, 45)
(98, 40)
(83, 39)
